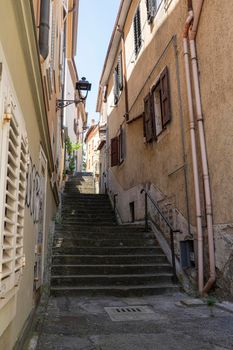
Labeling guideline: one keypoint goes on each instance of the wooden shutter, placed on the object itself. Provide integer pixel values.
(19, 255)
(121, 145)
(148, 122)
(137, 31)
(12, 220)
(165, 97)
(10, 159)
(151, 9)
(116, 87)
(119, 71)
(114, 151)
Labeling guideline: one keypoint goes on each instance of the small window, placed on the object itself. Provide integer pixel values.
(137, 32)
(152, 8)
(157, 110)
(118, 79)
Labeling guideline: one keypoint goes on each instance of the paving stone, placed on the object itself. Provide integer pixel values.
(192, 302)
(227, 306)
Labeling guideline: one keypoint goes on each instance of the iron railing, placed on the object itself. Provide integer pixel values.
(172, 231)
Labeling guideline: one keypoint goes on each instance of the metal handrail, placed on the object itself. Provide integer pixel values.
(147, 195)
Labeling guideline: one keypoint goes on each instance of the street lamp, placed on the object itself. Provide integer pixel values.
(81, 85)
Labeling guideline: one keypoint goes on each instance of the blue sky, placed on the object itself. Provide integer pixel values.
(96, 21)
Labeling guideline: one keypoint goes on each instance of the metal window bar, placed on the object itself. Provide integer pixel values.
(172, 231)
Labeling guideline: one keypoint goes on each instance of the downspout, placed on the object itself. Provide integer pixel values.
(44, 28)
(126, 115)
(194, 153)
(208, 202)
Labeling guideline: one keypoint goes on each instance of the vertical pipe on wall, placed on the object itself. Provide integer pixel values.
(44, 28)
(194, 154)
(204, 161)
(206, 180)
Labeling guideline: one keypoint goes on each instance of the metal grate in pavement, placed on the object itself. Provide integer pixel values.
(130, 313)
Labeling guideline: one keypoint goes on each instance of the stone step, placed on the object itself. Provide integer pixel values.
(102, 235)
(90, 196)
(127, 229)
(110, 269)
(79, 217)
(79, 190)
(88, 222)
(107, 242)
(75, 203)
(106, 280)
(113, 290)
(72, 259)
(107, 250)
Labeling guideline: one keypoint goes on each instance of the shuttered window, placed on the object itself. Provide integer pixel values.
(121, 145)
(165, 98)
(148, 119)
(157, 109)
(12, 215)
(152, 8)
(137, 31)
(118, 78)
(114, 151)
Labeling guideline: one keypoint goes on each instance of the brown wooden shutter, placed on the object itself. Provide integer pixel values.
(121, 145)
(120, 72)
(137, 31)
(114, 151)
(165, 97)
(148, 124)
(116, 87)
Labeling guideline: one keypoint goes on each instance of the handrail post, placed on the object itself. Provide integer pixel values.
(173, 255)
(146, 212)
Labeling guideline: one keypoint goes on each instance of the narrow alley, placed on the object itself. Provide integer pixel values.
(111, 287)
(116, 163)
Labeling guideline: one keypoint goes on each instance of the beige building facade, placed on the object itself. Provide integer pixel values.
(32, 55)
(149, 93)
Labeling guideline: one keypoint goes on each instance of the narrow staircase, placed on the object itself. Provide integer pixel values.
(92, 255)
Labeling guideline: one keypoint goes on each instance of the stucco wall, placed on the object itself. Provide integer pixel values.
(163, 163)
(21, 79)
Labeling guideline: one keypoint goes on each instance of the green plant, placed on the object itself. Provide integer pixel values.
(211, 303)
(70, 148)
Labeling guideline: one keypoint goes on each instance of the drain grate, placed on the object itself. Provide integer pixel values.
(130, 313)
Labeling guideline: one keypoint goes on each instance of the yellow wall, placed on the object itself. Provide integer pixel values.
(14, 46)
(160, 163)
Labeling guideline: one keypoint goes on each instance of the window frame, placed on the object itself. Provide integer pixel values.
(153, 7)
(137, 31)
(149, 116)
(118, 78)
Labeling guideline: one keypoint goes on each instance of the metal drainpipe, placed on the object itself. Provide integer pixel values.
(44, 28)
(194, 154)
(205, 169)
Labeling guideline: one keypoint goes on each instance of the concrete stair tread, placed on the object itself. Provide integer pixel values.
(106, 255)
(111, 265)
(156, 274)
(112, 287)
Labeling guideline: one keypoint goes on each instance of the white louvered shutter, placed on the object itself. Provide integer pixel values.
(13, 175)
